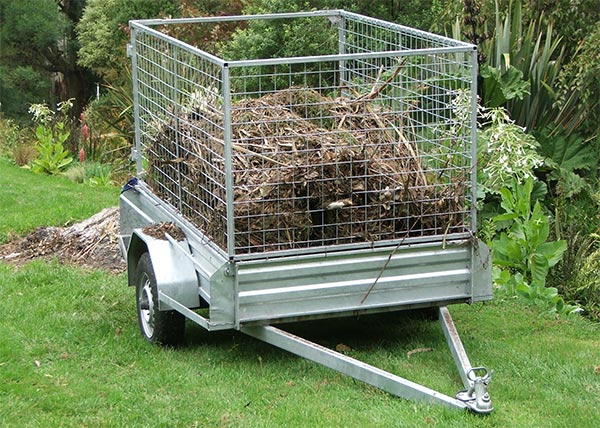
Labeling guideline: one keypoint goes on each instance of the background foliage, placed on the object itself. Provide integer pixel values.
(103, 31)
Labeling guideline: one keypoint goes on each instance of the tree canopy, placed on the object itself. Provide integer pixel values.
(103, 30)
(35, 47)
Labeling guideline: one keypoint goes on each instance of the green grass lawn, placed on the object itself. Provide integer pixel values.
(71, 356)
(28, 200)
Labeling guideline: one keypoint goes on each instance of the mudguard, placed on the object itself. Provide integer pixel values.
(173, 268)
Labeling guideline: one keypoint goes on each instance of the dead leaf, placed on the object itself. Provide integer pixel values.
(321, 384)
(597, 369)
(417, 350)
(342, 347)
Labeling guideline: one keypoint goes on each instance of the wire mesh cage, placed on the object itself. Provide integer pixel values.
(363, 134)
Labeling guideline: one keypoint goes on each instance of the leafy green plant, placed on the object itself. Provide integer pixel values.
(97, 174)
(568, 160)
(51, 134)
(53, 157)
(505, 152)
(579, 94)
(521, 253)
(500, 86)
(585, 286)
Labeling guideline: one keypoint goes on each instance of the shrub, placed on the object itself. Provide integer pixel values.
(579, 96)
(51, 135)
(505, 152)
(522, 254)
(10, 136)
(15, 143)
(24, 154)
(585, 286)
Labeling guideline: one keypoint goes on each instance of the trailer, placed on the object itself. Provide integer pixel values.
(336, 181)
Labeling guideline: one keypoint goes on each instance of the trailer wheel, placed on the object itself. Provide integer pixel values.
(161, 327)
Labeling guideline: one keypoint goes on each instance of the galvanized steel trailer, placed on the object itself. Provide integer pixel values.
(366, 236)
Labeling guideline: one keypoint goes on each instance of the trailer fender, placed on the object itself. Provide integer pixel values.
(173, 268)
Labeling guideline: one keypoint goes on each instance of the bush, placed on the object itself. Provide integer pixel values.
(579, 96)
(505, 152)
(577, 221)
(94, 174)
(16, 143)
(10, 137)
(24, 154)
(585, 286)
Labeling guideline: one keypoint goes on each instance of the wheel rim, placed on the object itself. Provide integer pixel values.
(146, 308)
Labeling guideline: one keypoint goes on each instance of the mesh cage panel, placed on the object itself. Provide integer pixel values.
(369, 141)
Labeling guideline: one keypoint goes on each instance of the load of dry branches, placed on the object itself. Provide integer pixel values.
(307, 170)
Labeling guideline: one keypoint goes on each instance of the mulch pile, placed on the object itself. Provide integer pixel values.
(161, 230)
(92, 243)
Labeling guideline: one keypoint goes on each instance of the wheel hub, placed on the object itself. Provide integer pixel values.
(146, 308)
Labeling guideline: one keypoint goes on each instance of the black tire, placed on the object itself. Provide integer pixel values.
(161, 327)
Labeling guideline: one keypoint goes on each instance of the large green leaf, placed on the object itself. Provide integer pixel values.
(538, 227)
(552, 251)
(570, 159)
(569, 153)
(539, 270)
(508, 252)
(501, 86)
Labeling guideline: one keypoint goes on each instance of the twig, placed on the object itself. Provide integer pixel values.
(387, 262)
(384, 267)
(250, 152)
(374, 90)
(91, 247)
